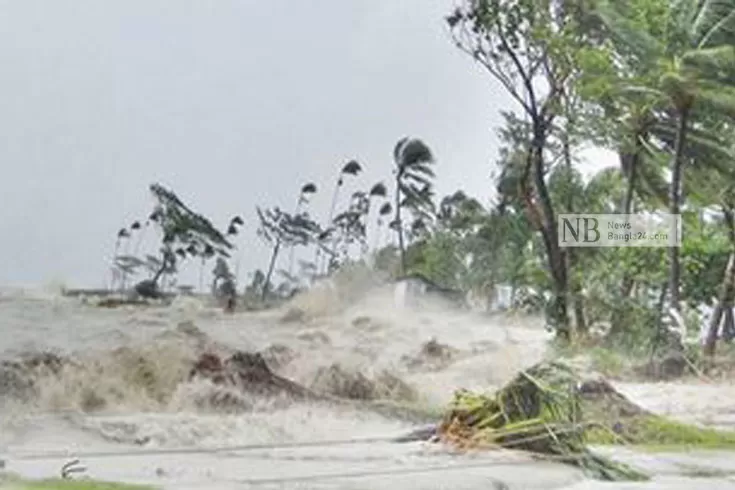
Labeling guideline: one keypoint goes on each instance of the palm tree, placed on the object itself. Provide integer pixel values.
(232, 230)
(352, 168)
(378, 191)
(690, 48)
(385, 210)
(413, 174)
(306, 190)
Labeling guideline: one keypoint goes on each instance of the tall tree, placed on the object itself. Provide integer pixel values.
(351, 168)
(281, 229)
(528, 46)
(691, 49)
(414, 185)
(307, 190)
(181, 229)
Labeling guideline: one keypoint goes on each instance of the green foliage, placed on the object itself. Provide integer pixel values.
(438, 258)
(705, 251)
(59, 484)
(541, 410)
(414, 188)
(182, 228)
(657, 433)
(281, 229)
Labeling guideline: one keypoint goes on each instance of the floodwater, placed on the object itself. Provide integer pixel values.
(126, 414)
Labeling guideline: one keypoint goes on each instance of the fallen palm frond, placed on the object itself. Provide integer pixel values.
(539, 411)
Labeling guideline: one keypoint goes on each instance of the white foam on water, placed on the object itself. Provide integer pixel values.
(126, 386)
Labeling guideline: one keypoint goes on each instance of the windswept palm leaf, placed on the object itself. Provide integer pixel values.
(378, 190)
(156, 214)
(385, 209)
(351, 168)
(412, 152)
(309, 188)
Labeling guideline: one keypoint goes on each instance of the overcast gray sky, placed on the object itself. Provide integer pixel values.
(231, 103)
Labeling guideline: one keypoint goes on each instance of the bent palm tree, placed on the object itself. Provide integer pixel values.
(413, 160)
(692, 51)
(306, 190)
(352, 168)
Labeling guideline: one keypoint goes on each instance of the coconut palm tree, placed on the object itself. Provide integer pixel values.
(351, 168)
(690, 47)
(413, 176)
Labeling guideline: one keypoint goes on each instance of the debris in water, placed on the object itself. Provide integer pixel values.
(315, 337)
(18, 378)
(278, 356)
(539, 411)
(248, 373)
(335, 380)
(433, 355)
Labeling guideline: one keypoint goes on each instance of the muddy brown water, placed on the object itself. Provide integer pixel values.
(127, 387)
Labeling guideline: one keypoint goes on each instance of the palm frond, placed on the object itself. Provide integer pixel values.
(309, 188)
(351, 168)
(713, 23)
(719, 98)
(639, 43)
(412, 151)
(378, 190)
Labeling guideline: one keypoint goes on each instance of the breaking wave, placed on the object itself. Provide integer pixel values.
(190, 374)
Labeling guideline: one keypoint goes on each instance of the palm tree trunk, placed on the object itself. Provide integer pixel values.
(399, 227)
(629, 166)
(271, 266)
(727, 292)
(631, 174)
(728, 330)
(160, 271)
(724, 303)
(674, 205)
(332, 207)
